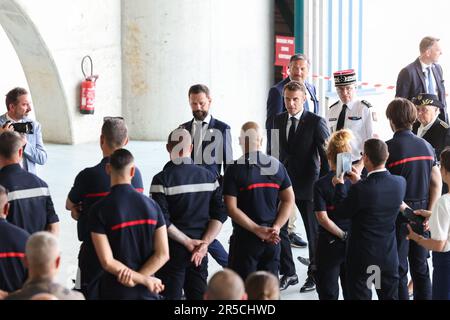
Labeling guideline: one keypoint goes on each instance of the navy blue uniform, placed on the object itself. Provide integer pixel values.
(257, 192)
(91, 185)
(373, 205)
(129, 220)
(330, 254)
(189, 196)
(12, 251)
(31, 207)
(413, 158)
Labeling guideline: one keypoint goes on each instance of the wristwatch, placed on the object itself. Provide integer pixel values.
(345, 236)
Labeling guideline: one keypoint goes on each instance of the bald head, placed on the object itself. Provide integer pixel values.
(225, 285)
(42, 253)
(251, 137)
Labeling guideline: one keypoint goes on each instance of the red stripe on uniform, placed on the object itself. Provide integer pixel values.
(104, 194)
(331, 208)
(133, 223)
(12, 255)
(261, 185)
(397, 163)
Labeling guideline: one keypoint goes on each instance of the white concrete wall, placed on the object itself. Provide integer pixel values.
(170, 45)
(69, 30)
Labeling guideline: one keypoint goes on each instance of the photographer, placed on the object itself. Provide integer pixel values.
(18, 106)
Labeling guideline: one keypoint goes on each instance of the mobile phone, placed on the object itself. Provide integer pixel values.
(414, 220)
(343, 163)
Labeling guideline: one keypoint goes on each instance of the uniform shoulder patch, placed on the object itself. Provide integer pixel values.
(366, 103)
(444, 124)
(334, 104)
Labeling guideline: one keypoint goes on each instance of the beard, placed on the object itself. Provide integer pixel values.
(200, 115)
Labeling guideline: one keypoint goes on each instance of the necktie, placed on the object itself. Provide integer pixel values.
(198, 140)
(430, 81)
(291, 134)
(341, 119)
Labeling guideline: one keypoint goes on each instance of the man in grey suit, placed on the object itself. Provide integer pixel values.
(424, 75)
(18, 106)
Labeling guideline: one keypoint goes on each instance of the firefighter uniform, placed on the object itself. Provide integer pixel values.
(129, 220)
(330, 249)
(91, 185)
(189, 196)
(31, 206)
(413, 158)
(12, 251)
(256, 188)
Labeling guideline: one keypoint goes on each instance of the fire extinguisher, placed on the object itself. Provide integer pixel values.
(88, 89)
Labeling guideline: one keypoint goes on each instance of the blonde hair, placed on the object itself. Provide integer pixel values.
(339, 142)
(262, 285)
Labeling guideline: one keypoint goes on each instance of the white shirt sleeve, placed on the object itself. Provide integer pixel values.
(440, 221)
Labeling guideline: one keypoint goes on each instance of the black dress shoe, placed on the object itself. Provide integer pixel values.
(287, 281)
(304, 261)
(309, 285)
(296, 241)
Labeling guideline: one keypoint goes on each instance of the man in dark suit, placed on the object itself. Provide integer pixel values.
(424, 75)
(298, 71)
(301, 148)
(211, 146)
(373, 205)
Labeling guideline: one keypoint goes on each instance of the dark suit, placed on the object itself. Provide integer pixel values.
(411, 82)
(373, 205)
(225, 152)
(304, 163)
(439, 138)
(275, 101)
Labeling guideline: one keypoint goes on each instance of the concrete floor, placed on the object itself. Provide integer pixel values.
(64, 162)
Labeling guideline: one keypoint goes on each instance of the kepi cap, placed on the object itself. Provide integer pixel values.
(344, 77)
(426, 99)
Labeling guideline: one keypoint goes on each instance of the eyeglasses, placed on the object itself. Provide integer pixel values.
(112, 118)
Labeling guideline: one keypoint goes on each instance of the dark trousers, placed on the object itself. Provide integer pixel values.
(180, 273)
(249, 254)
(330, 262)
(441, 275)
(358, 288)
(418, 263)
(218, 252)
(287, 266)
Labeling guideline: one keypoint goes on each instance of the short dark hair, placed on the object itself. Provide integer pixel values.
(177, 136)
(377, 151)
(120, 159)
(198, 88)
(12, 96)
(294, 86)
(10, 143)
(445, 159)
(426, 43)
(114, 131)
(299, 56)
(402, 113)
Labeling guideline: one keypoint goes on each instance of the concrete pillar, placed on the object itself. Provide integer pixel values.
(169, 45)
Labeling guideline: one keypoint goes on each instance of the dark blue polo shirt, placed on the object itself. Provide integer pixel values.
(189, 196)
(90, 185)
(31, 206)
(129, 220)
(256, 185)
(12, 251)
(413, 158)
(323, 201)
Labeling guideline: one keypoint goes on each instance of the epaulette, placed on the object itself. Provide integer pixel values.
(334, 104)
(444, 124)
(366, 103)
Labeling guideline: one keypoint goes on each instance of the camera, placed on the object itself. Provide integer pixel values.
(21, 127)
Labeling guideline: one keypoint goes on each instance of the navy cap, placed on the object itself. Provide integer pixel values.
(426, 99)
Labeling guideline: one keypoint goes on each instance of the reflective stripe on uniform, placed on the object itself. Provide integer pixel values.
(186, 188)
(28, 193)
